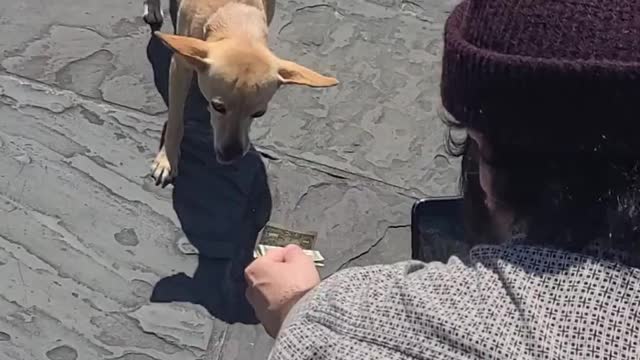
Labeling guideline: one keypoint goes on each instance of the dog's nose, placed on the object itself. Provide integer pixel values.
(230, 153)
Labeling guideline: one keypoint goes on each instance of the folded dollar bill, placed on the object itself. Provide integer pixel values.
(276, 235)
(318, 259)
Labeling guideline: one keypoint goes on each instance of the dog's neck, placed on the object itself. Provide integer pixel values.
(237, 21)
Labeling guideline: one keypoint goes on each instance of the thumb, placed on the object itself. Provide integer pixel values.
(294, 253)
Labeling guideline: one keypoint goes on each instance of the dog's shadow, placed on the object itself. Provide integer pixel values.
(221, 210)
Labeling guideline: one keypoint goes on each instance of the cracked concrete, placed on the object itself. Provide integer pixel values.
(85, 236)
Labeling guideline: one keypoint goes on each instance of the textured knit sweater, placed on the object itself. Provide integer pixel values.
(511, 302)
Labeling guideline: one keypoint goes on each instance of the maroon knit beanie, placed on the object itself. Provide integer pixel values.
(546, 74)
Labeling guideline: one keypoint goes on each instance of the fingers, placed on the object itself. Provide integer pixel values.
(294, 253)
(250, 271)
(258, 265)
(293, 247)
(276, 255)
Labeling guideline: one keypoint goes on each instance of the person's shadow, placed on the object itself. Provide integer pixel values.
(221, 209)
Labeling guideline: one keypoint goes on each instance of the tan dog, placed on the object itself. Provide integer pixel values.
(225, 43)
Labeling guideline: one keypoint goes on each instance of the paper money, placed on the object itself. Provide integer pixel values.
(274, 235)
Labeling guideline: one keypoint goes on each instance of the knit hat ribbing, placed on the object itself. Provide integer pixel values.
(554, 65)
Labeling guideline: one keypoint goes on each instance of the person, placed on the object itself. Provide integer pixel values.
(548, 92)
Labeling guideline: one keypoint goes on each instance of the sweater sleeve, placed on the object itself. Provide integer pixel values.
(324, 320)
(508, 302)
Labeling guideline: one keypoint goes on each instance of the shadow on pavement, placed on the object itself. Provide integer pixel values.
(221, 210)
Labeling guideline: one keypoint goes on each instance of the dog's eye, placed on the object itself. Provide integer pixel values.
(258, 114)
(218, 106)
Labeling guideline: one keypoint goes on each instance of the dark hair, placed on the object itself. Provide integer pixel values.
(565, 200)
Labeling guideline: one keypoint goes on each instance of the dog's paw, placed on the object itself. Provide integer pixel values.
(152, 13)
(162, 171)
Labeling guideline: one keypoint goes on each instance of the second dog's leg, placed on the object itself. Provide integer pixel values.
(174, 6)
(153, 14)
(165, 165)
(270, 9)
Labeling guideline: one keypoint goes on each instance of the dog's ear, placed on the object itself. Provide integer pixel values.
(193, 50)
(292, 73)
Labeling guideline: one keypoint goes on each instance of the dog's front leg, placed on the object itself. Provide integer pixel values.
(165, 165)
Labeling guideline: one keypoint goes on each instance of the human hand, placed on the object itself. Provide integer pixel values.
(276, 281)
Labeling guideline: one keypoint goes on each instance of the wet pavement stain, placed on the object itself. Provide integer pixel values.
(62, 352)
(127, 237)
